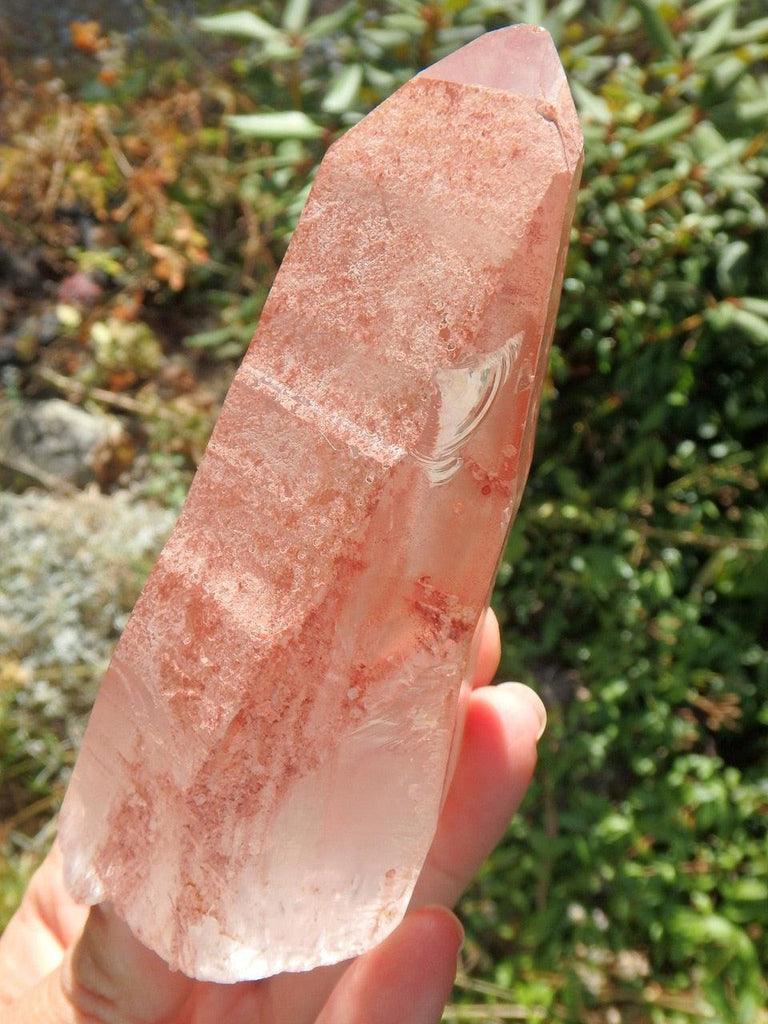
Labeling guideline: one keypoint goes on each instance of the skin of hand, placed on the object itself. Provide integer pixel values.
(61, 963)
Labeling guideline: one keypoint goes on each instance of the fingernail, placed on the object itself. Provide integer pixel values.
(448, 916)
(535, 702)
(459, 932)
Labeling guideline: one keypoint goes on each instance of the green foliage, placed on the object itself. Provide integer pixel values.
(637, 578)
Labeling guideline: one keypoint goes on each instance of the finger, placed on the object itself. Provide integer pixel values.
(489, 650)
(46, 923)
(405, 980)
(106, 976)
(109, 967)
(28, 951)
(64, 917)
(495, 767)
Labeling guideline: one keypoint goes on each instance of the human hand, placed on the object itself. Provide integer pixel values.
(61, 963)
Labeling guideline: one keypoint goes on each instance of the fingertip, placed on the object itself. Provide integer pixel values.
(494, 770)
(521, 700)
(489, 649)
(442, 923)
(405, 980)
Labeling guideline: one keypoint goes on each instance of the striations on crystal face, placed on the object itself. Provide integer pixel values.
(263, 770)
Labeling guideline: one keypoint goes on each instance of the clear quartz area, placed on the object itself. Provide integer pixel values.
(262, 774)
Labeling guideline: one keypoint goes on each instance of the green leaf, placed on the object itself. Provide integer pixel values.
(386, 37)
(380, 79)
(287, 124)
(754, 32)
(533, 12)
(280, 49)
(343, 90)
(751, 324)
(726, 315)
(412, 25)
(408, 6)
(295, 14)
(757, 306)
(731, 264)
(706, 8)
(562, 15)
(664, 131)
(712, 38)
(656, 27)
(712, 928)
(753, 110)
(590, 106)
(238, 23)
(748, 890)
(614, 827)
(327, 24)
(209, 339)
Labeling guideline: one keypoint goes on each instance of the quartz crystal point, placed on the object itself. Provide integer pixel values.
(263, 770)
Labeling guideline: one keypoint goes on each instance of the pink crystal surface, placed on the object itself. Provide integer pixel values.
(261, 777)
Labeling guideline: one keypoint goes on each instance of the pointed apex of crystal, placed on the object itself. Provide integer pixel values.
(520, 60)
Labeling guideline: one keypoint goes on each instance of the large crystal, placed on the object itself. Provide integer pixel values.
(262, 774)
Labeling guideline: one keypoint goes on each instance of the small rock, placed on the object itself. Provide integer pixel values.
(48, 328)
(58, 438)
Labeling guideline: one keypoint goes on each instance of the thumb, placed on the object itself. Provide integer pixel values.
(107, 976)
(405, 980)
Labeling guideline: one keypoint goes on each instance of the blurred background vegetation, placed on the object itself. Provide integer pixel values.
(154, 159)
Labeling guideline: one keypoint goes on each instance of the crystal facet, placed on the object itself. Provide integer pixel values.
(263, 770)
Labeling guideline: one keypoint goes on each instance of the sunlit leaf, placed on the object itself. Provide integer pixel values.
(245, 24)
(287, 124)
(755, 305)
(656, 27)
(753, 32)
(590, 106)
(343, 90)
(326, 24)
(753, 110)
(731, 261)
(664, 131)
(713, 36)
(208, 339)
(295, 14)
(706, 8)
